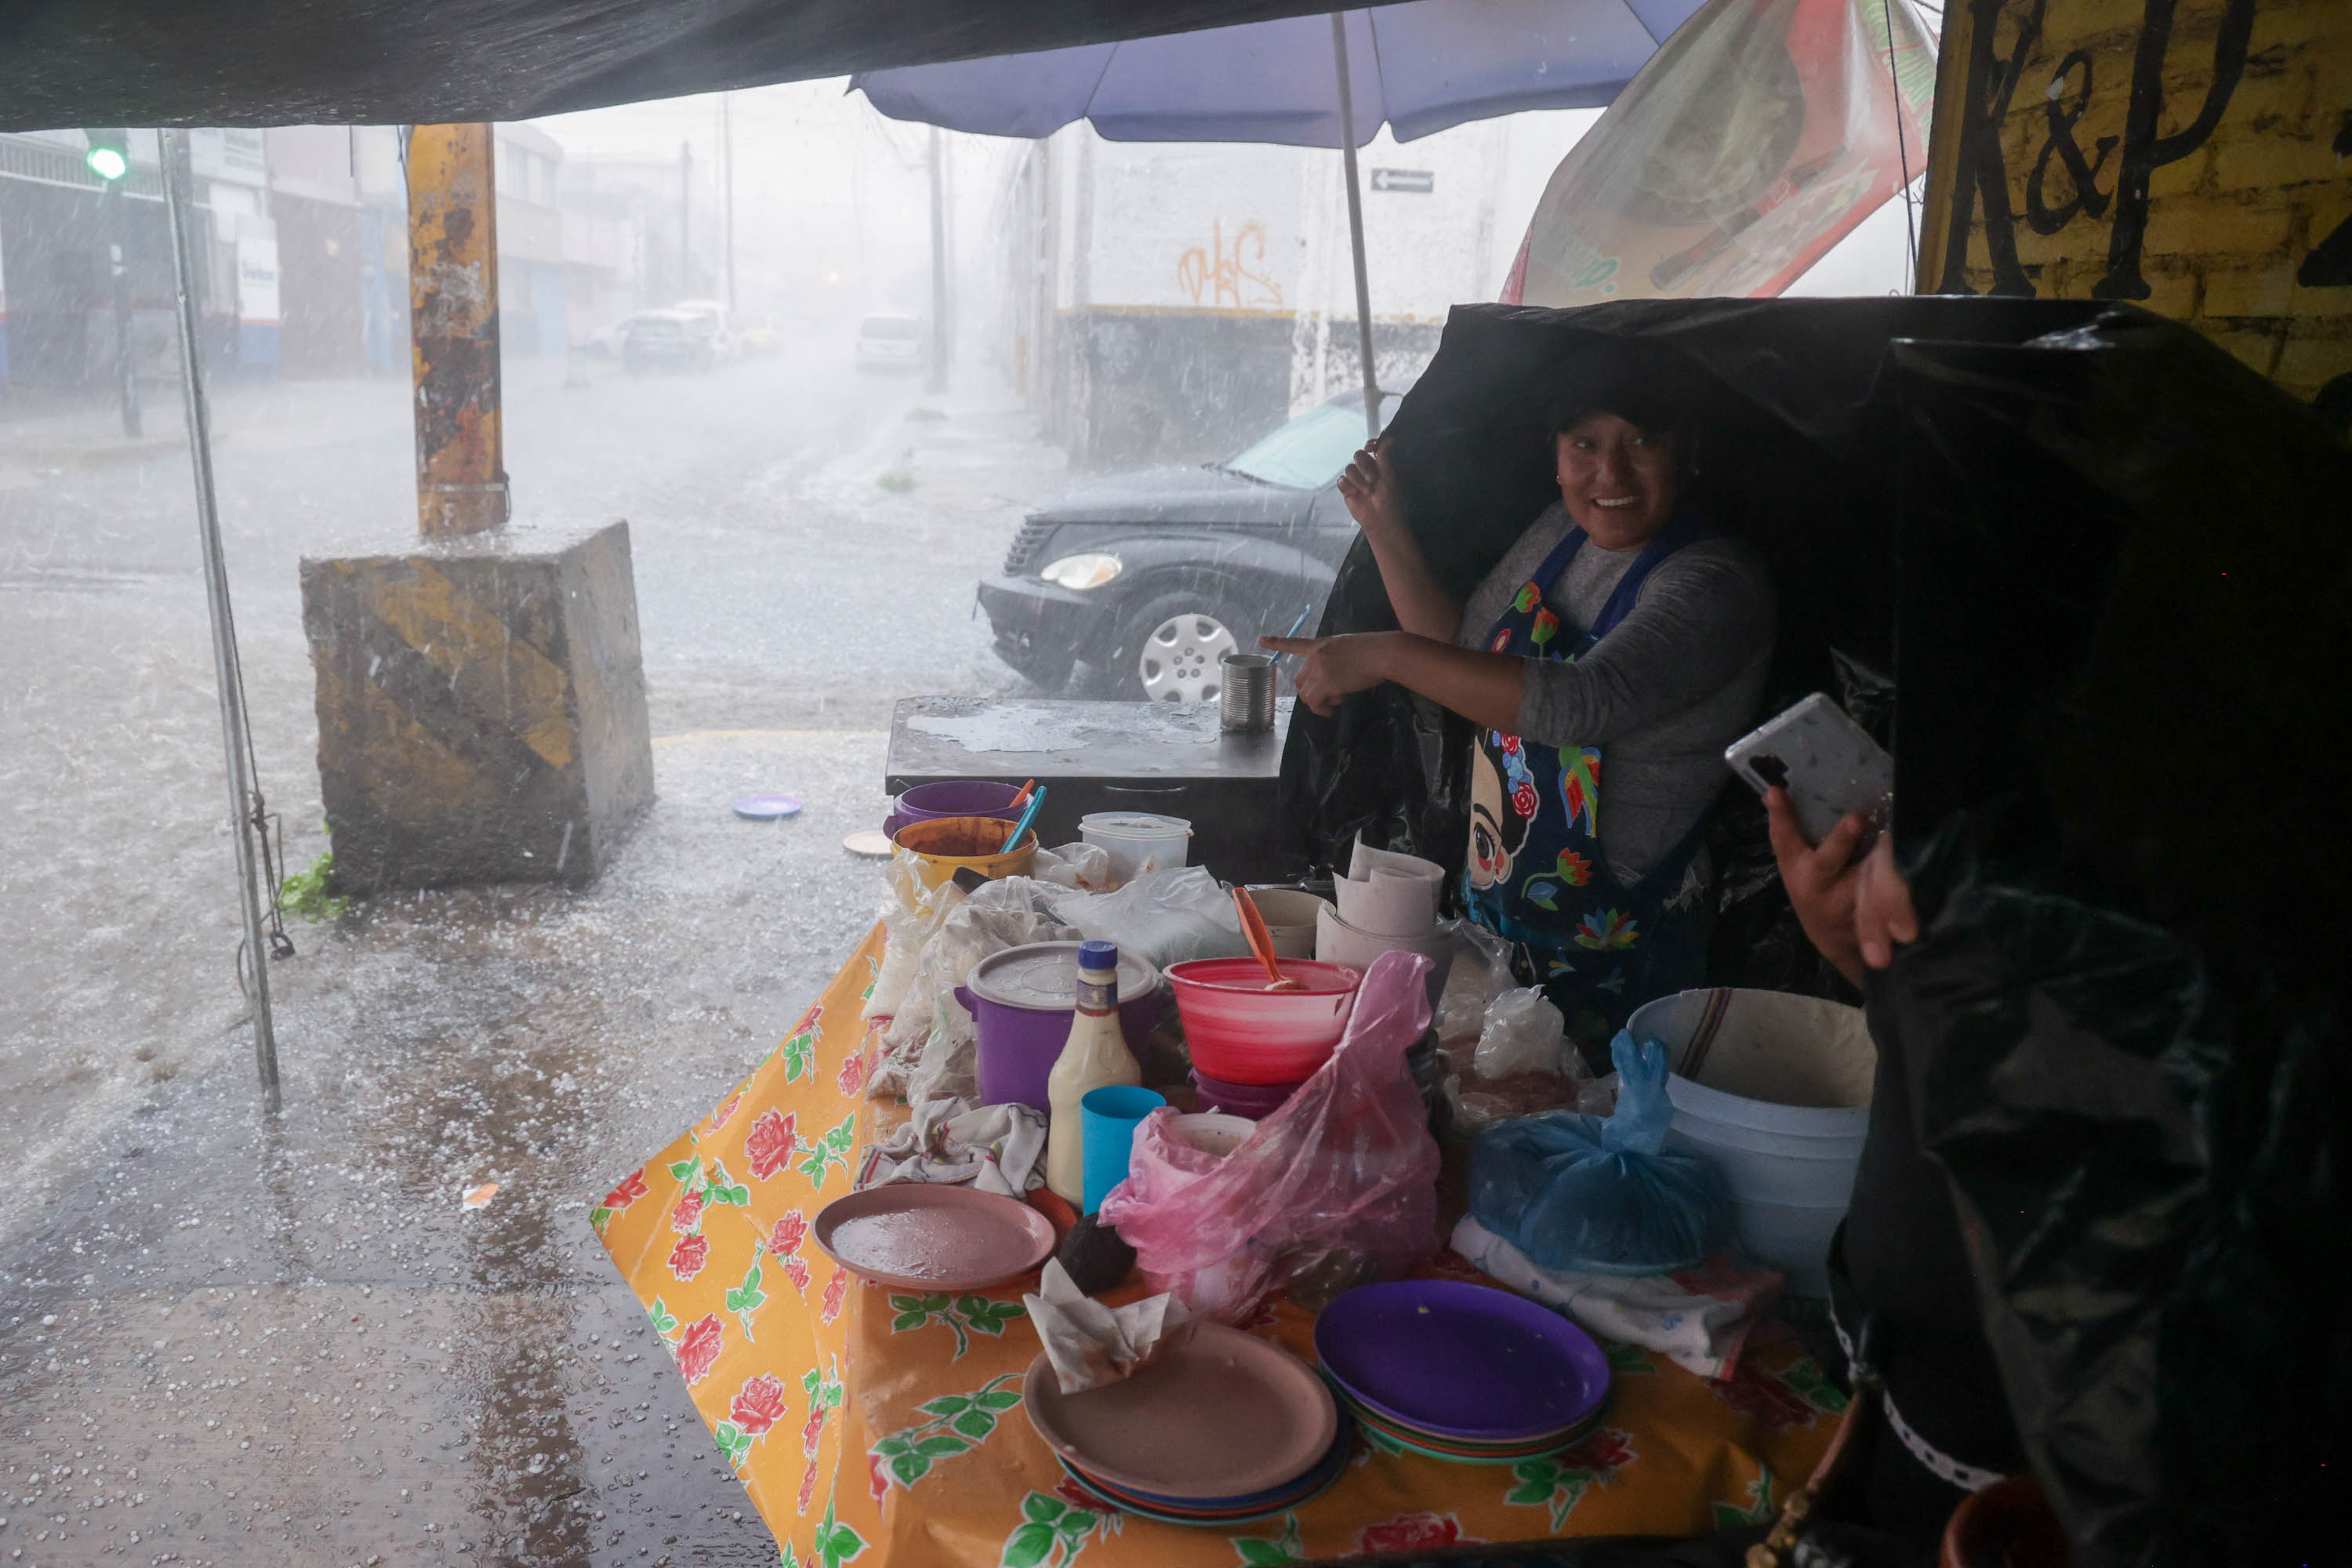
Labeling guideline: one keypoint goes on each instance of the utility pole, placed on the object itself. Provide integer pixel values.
(685, 206)
(938, 271)
(453, 314)
(727, 156)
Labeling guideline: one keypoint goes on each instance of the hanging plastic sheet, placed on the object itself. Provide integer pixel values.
(2125, 1025)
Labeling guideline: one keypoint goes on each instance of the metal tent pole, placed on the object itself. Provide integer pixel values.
(1356, 224)
(177, 199)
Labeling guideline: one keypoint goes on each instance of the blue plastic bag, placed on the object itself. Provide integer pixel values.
(1597, 1196)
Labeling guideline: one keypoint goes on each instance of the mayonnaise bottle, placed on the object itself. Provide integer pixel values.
(1094, 1057)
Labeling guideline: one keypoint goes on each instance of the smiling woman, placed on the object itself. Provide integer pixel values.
(1620, 624)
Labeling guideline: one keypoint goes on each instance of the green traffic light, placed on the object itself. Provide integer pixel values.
(108, 163)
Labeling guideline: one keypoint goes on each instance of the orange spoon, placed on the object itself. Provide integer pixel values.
(1261, 941)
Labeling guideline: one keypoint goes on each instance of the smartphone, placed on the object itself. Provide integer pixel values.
(1825, 761)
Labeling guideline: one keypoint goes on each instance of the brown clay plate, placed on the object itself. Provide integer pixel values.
(1228, 1415)
(924, 1237)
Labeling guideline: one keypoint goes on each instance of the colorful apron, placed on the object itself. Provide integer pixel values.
(1536, 875)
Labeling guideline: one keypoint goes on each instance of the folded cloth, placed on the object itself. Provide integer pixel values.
(996, 1148)
(1698, 1318)
(1090, 1344)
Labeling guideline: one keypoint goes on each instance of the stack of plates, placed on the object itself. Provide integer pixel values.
(1462, 1371)
(1228, 1428)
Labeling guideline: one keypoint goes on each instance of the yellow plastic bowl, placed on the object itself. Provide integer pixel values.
(946, 845)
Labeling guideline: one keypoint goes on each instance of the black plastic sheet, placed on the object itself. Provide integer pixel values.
(2122, 641)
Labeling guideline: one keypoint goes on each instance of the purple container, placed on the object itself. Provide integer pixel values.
(1022, 1001)
(1255, 1100)
(956, 797)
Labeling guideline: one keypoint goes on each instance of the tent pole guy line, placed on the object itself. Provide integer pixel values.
(177, 200)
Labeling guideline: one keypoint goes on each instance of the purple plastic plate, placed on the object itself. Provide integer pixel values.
(1461, 1361)
(767, 807)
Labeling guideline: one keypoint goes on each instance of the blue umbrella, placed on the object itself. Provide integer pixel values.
(1303, 81)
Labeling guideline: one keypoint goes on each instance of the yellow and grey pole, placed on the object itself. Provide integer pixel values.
(453, 304)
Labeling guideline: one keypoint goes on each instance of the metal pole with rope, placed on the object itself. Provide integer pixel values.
(178, 198)
(1356, 224)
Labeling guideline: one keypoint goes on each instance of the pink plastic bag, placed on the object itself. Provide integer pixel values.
(1345, 1174)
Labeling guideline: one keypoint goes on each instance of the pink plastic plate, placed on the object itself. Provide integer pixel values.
(924, 1237)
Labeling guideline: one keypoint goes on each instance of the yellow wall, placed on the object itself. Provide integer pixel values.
(2192, 156)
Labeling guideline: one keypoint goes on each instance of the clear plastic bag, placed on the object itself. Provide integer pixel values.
(1481, 971)
(1602, 1196)
(1162, 917)
(1339, 1182)
(909, 917)
(1524, 1033)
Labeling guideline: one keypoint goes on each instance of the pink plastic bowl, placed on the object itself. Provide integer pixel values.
(1243, 1033)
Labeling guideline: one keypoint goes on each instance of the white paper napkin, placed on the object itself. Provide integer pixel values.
(1092, 1345)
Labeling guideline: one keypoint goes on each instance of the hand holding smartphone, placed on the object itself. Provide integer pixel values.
(1826, 761)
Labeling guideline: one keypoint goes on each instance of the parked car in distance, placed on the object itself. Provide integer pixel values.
(1148, 577)
(722, 337)
(606, 342)
(759, 337)
(667, 339)
(891, 343)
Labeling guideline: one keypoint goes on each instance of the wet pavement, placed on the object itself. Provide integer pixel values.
(229, 1339)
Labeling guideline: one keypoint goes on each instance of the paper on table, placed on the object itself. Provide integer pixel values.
(1092, 1345)
(1389, 894)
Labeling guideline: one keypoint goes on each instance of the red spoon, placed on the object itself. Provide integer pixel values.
(1261, 941)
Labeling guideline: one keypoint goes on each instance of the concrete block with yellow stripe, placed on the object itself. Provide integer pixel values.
(481, 709)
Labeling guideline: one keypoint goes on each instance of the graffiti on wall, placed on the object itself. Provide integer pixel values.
(1229, 278)
(2191, 156)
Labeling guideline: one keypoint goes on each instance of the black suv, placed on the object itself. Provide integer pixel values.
(1147, 577)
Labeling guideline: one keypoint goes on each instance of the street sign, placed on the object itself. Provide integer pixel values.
(1407, 181)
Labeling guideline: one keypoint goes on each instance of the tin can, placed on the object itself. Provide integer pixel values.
(1245, 693)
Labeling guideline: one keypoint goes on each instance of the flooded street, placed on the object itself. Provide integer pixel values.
(230, 1340)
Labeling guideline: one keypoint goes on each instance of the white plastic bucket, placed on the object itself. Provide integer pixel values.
(1137, 841)
(1775, 1091)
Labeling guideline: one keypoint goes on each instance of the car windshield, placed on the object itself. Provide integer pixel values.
(897, 327)
(1308, 453)
(653, 327)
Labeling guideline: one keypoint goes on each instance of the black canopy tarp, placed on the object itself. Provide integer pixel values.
(289, 62)
(2108, 569)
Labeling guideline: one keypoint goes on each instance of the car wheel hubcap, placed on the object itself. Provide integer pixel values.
(1179, 660)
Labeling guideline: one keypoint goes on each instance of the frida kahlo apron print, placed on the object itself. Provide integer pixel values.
(1535, 874)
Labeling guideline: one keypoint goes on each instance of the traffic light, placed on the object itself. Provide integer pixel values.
(110, 153)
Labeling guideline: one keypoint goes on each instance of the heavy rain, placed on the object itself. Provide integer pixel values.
(828, 367)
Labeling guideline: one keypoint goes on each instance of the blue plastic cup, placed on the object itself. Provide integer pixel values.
(1106, 1123)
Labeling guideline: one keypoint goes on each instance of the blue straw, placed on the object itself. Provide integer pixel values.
(1028, 815)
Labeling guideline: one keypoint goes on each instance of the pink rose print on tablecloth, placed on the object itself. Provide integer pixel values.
(631, 1189)
(812, 1432)
(758, 1405)
(1411, 1533)
(835, 1294)
(808, 1489)
(726, 1111)
(770, 1143)
(878, 1481)
(697, 1348)
(1763, 1397)
(852, 1078)
(688, 1213)
(1607, 1450)
(687, 1258)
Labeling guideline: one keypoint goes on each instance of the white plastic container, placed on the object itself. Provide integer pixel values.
(1213, 1131)
(1137, 841)
(1775, 1091)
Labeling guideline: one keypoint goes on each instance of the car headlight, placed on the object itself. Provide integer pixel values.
(1082, 571)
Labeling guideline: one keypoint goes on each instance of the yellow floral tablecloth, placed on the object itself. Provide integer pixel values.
(884, 1428)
